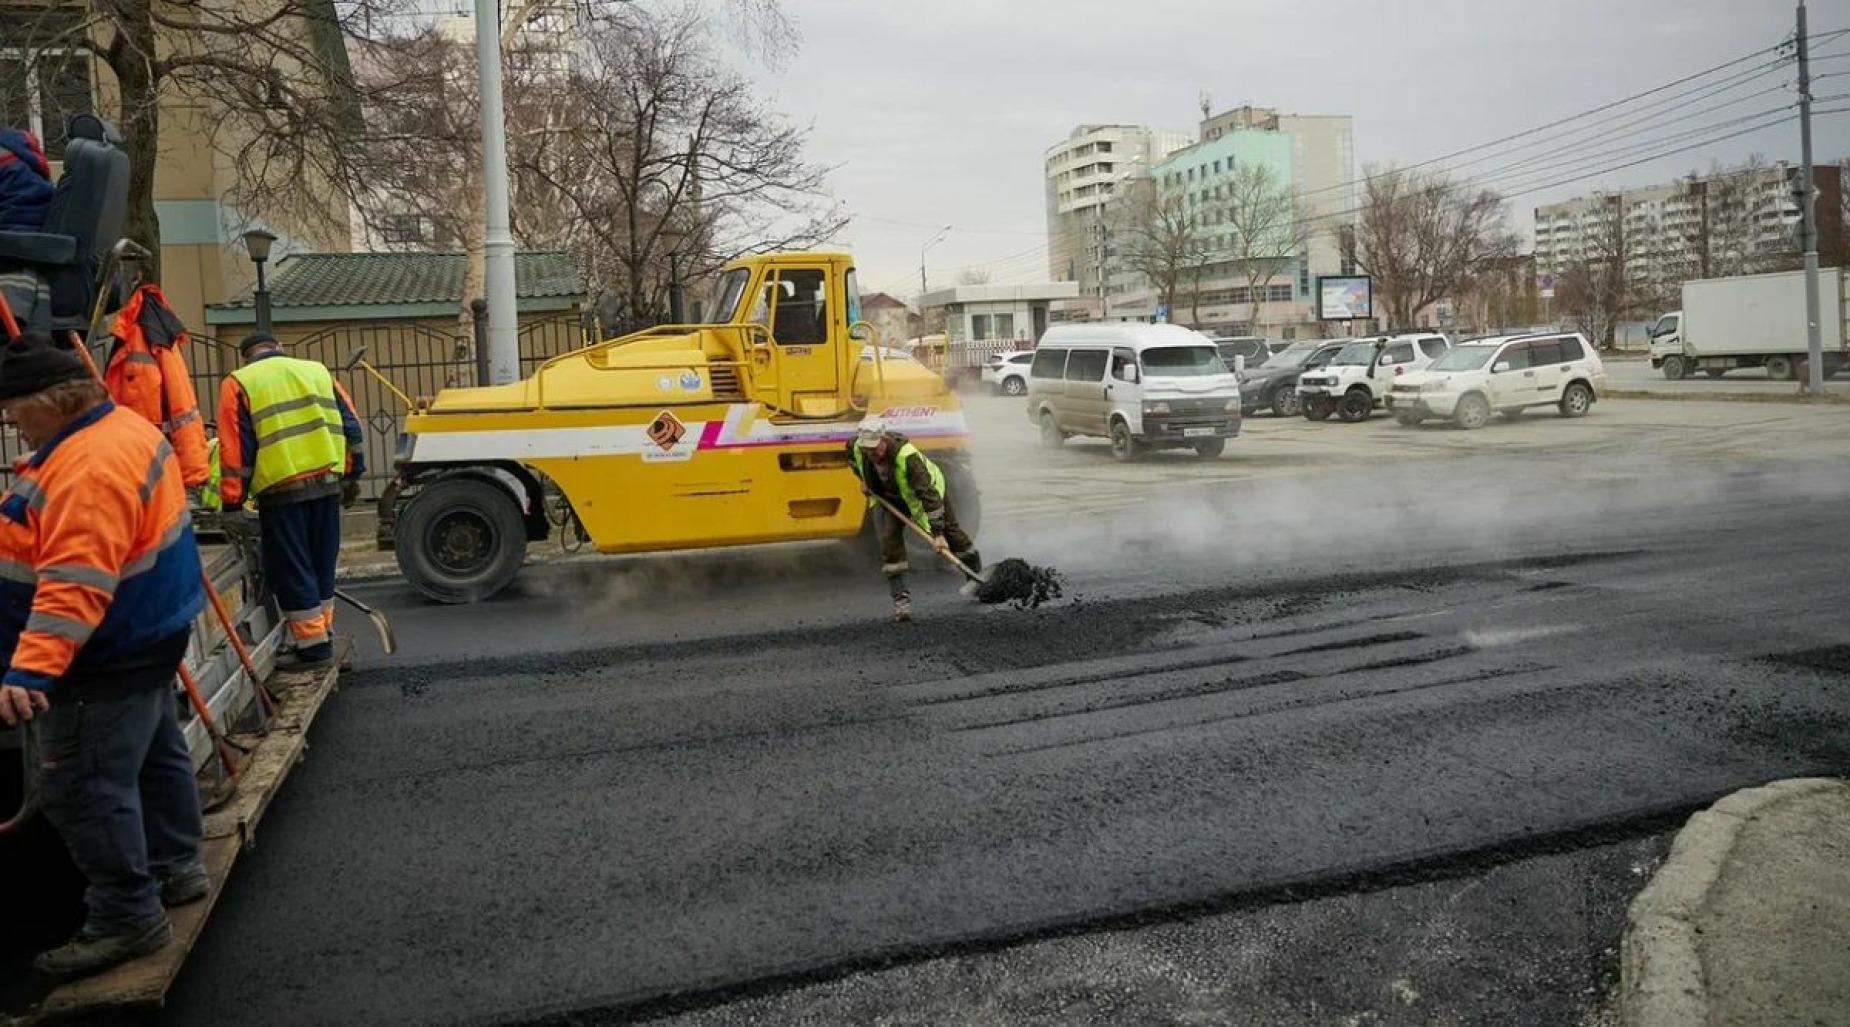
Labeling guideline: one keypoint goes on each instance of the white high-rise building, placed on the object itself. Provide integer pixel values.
(1082, 172)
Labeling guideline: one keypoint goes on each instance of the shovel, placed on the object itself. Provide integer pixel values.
(927, 536)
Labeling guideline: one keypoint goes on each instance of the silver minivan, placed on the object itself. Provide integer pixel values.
(1143, 386)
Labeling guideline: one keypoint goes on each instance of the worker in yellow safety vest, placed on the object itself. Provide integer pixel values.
(290, 440)
(892, 468)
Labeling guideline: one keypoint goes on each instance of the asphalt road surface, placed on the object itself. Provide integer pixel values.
(1357, 724)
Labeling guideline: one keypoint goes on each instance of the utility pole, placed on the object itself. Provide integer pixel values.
(933, 241)
(503, 340)
(1808, 204)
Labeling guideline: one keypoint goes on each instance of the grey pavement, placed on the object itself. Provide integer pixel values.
(1748, 921)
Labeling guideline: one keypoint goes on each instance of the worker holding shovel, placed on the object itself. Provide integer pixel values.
(897, 477)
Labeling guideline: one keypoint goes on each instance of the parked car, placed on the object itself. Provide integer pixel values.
(1251, 349)
(1007, 373)
(1273, 385)
(1505, 375)
(1356, 380)
(1143, 386)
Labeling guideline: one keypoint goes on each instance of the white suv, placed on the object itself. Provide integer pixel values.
(1008, 372)
(1503, 374)
(1357, 380)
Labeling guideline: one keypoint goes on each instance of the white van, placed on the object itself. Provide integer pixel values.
(1143, 386)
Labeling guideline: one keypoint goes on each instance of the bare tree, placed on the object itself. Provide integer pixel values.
(1422, 236)
(1268, 235)
(663, 155)
(1600, 291)
(1157, 238)
(973, 276)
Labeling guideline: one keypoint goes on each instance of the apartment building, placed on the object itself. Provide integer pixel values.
(1082, 172)
(1732, 223)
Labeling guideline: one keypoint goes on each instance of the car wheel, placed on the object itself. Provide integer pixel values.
(1123, 447)
(1286, 402)
(1407, 420)
(1577, 400)
(1675, 368)
(1355, 406)
(1780, 368)
(1473, 412)
(1317, 408)
(460, 540)
(1208, 449)
(1051, 435)
(1013, 386)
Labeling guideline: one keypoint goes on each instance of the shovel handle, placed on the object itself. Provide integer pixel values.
(926, 535)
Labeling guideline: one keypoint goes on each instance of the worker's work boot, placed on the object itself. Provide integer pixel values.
(84, 955)
(902, 596)
(314, 657)
(902, 608)
(185, 886)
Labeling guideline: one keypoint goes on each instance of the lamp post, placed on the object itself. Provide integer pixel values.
(929, 243)
(257, 245)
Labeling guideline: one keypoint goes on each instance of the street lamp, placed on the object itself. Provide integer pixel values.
(933, 241)
(257, 245)
(1102, 267)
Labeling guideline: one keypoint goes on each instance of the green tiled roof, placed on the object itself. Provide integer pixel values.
(396, 280)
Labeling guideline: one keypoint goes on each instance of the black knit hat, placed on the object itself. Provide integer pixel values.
(35, 362)
(255, 339)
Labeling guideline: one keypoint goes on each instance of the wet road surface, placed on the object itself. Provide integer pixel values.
(632, 787)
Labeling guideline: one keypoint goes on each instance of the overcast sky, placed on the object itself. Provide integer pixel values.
(939, 113)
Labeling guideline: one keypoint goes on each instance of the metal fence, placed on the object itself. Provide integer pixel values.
(416, 358)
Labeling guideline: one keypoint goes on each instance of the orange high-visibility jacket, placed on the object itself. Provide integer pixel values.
(147, 374)
(97, 558)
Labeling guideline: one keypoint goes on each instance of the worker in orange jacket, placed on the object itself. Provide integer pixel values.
(99, 586)
(147, 374)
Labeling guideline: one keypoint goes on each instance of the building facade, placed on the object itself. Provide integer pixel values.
(997, 318)
(1082, 172)
(1734, 223)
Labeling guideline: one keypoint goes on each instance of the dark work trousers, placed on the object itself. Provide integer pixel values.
(893, 546)
(117, 783)
(300, 547)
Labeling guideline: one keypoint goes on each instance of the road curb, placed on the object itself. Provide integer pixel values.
(1662, 980)
(1828, 399)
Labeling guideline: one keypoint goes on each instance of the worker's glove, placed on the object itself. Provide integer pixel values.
(349, 493)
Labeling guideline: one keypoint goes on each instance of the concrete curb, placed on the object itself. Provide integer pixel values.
(1828, 399)
(1662, 981)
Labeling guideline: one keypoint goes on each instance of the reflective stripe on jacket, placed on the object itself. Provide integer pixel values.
(924, 499)
(147, 374)
(282, 420)
(97, 558)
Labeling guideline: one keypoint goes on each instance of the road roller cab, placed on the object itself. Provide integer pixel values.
(677, 437)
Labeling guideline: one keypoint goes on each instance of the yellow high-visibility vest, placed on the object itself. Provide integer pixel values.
(295, 417)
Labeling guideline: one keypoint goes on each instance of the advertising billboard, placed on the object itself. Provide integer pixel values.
(1345, 298)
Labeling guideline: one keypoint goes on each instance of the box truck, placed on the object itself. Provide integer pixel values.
(1751, 321)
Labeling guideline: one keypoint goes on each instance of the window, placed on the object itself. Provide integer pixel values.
(1434, 348)
(1004, 325)
(800, 305)
(1278, 293)
(1400, 352)
(979, 327)
(1571, 349)
(401, 230)
(1086, 365)
(1545, 353)
(1217, 167)
(1122, 360)
(44, 79)
(1516, 354)
(1048, 363)
(1104, 147)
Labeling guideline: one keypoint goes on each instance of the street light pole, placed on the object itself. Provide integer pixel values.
(1808, 206)
(933, 241)
(498, 249)
(257, 244)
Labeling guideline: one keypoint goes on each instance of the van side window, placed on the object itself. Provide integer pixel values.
(1571, 349)
(1544, 352)
(1122, 360)
(1048, 363)
(1434, 348)
(1086, 365)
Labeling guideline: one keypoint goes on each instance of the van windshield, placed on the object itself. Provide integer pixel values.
(1182, 362)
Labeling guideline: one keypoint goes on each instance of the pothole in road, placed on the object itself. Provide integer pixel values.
(1830, 659)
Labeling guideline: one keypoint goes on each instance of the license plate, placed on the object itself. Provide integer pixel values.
(1197, 433)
